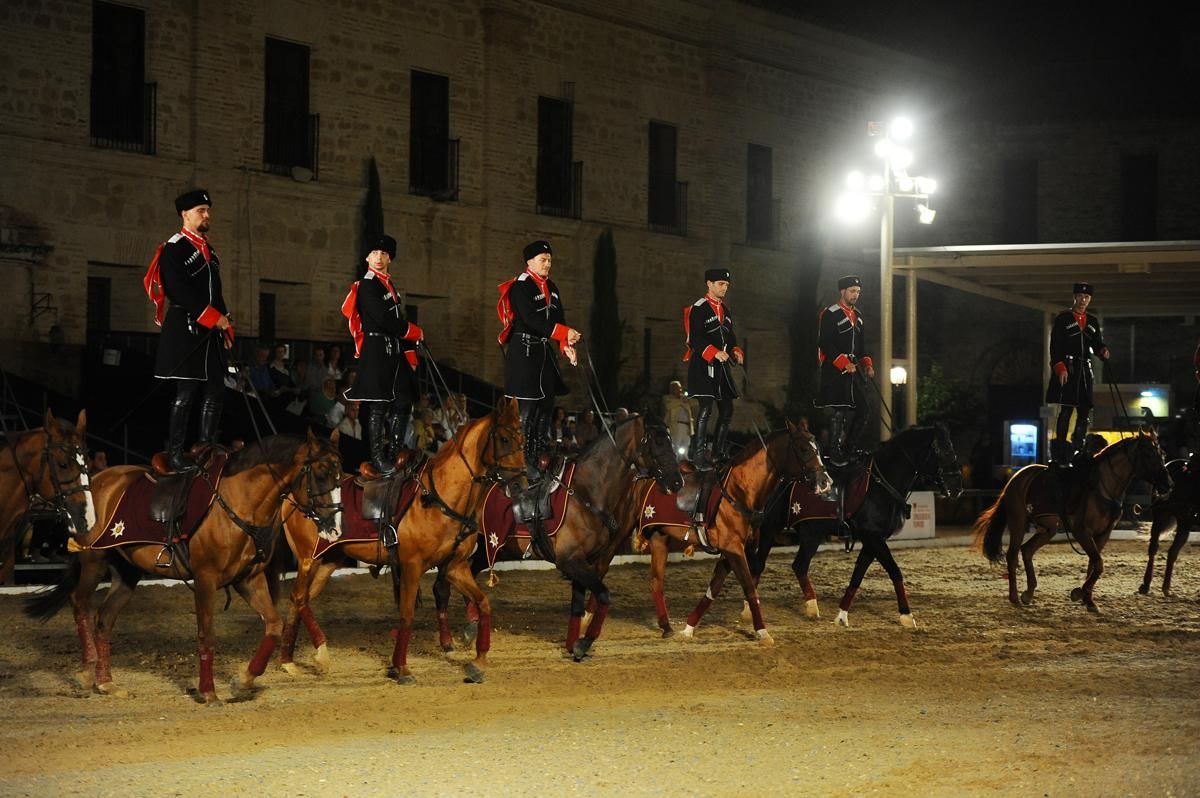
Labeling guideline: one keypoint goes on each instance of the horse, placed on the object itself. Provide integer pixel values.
(1176, 509)
(1092, 512)
(746, 486)
(432, 532)
(230, 547)
(600, 513)
(44, 475)
(892, 472)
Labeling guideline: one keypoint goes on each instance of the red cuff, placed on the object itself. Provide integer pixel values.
(709, 353)
(841, 362)
(559, 333)
(413, 333)
(210, 317)
(866, 362)
(411, 357)
(1060, 369)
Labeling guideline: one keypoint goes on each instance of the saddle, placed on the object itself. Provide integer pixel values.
(535, 503)
(502, 520)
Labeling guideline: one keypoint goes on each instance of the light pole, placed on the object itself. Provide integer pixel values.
(856, 204)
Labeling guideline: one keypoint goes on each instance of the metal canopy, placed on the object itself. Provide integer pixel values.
(1148, 278)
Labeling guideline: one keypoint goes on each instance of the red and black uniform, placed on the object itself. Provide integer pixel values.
(385, 344)
(184, 282)
(842, 342)
(708, 327)
(1074, 338)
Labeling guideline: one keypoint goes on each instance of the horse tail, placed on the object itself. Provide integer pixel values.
(989, 530)
(45, 604)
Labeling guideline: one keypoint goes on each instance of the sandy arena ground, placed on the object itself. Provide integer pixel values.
(982, 699)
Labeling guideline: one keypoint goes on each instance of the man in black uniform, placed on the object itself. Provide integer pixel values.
(535, 331)
(708, 326)
(1074, 338)
(184, 282)
(842, 352)
(385, 343)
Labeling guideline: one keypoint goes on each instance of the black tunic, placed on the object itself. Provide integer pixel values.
(1071, 348)
(709, 332)
(388, 357)
(840, 342)
(538, 330)
(190, 348)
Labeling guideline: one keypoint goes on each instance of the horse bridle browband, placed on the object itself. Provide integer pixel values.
(54, 506)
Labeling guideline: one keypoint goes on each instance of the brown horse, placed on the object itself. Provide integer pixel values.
(256, 485)
(440, 529)
(43, 475)
(1177, 509)
(1092, 511)
(746, 488)
(601, 512)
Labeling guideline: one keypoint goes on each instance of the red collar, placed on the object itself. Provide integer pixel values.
(384, 278)
(543, 283)
(716, 305)
(198, 241)
(849, 311)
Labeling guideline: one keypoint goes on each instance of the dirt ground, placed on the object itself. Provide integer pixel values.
(981, 699)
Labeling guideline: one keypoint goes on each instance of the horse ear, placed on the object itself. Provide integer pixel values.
(312, 439)
(48, 421)
(81, 422)
(791, 428)
(334, 436)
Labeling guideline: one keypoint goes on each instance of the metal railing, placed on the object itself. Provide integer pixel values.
(132, 128)
(571, 206)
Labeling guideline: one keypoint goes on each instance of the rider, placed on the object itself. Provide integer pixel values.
(385, 342)
(841, 352)
(1074, 337)
(184, 282)
(708, 327)
(535, 331)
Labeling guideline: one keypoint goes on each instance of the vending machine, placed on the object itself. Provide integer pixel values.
(1022, 442)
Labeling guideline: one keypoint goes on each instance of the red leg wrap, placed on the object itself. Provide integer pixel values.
(400, 652)
(756, 612)
(103, 660)
(597, 623)
(573, 631)
(287, 645)
(592, 604)
(809, 592)
(698, 613)
(206, 671)
(483, 641)
(848, 599)
(472, 612)
(660, 605)
(87, 642)
(266, 647)
(444, 636)
(314, 629)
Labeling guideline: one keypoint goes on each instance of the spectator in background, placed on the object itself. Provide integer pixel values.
(622, 414)
(99, 462)
(316, 373)
(350, 425)
(260, 372)
(560, 435)
(585, 429)
(333, 361)
(572, 443)
(299, 399)
(423, 436)
(320, 405)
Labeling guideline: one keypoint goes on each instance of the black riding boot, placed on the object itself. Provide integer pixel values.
(535, 443)
(181, 413)
(210, 421)
(721, 440)
(837, 438)
(698, 450)
(397, 426)
(378, 438)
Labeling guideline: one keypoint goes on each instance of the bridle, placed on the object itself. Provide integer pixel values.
(54, 507)
(649, 462)
(946, 465)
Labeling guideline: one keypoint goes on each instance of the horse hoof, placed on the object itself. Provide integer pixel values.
(908, 621)
(1092, 608)
(405, 678)
(843, 618)
(1077, 594)
(1144, 590)
(290, 668)
(112, 690)
(1167, 592)
(240, 691)
(321, 658)
(211, 700)
(811, 610)
(447, 646)
(764, 638)
(580, 652)
(474, 674)
(668, 632)
(689, 632)
(1026, 598)
(86, 678)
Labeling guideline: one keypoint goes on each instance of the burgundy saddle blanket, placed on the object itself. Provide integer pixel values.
(131, 522)
(662, 509)
(499, 524)
(805, 505)
(356, 529)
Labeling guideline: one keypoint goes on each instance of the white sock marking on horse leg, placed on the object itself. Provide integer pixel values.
(689, 630)
(843, 618)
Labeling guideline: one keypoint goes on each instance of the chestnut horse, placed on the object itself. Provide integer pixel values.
(43, 474)
(600, 515)
(917, 453)
(438, 530)
(1090, 515)
(747, 489)
(257, 483)
(1177, 509)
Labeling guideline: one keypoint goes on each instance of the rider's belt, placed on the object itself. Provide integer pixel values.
(530, 340)
(391, 343)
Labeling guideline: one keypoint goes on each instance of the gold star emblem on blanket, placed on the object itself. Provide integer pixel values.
(796, 508)
(118, 529)
(493, 540)
(649, 511)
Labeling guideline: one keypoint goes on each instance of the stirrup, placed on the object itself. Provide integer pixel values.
(170, 552)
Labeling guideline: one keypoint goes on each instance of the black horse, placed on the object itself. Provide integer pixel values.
(1178, 508)
(600, 516)
(894, 469)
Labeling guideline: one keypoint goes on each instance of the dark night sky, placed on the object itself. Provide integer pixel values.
(1040, 60)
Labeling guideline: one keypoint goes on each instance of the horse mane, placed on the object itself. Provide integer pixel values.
(1121, 442)
(752, 448)
(276, 450)
(603, 436)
